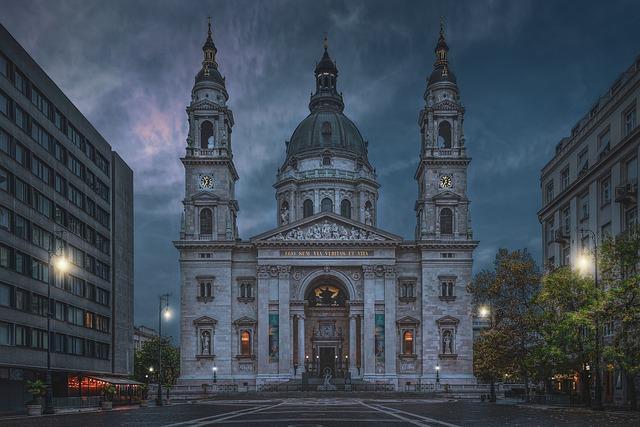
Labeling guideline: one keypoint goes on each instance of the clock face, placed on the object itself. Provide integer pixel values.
(206, 181)
(446, 181)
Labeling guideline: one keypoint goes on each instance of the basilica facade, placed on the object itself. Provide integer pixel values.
(326, 291)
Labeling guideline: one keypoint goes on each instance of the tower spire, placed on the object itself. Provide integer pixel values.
(209, 49)
(326, 73)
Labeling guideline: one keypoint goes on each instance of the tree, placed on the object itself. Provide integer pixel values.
(147, 357)
(567, 304)
(621, 304)
(508, 289)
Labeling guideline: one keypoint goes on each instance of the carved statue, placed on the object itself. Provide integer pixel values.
(341, 299)
(284, 215)
(367, 216)
(205, 343)
(326, 296)
(447, 345)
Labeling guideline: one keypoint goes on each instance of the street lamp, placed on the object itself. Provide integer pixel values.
(163, 309)
(583, 262)
(59, 263)
(215, 372)
(485, 313)
(437, 375)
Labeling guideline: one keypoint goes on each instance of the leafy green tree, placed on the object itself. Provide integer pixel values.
(509, 289)
(147, 357)
(621, 304)
(567, 304)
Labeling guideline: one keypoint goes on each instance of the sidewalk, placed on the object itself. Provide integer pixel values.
(67, 411)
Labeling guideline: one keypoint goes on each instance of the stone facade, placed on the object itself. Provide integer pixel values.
(326, 290)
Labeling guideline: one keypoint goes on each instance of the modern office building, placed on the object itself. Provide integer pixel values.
(591, 183)
(326, 291)
(63, 193)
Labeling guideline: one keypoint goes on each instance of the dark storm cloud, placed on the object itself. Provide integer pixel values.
(527, 72)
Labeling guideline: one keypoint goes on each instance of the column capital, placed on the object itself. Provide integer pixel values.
(283, 271)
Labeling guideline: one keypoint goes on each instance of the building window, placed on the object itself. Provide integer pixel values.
(446, 221)
(5, 333)
(4, 218)
(307, 208)
(407, 342)
(326, 205)
(5, 295)
(444, 134)
(447, 289)
(21, 336)
(245, 293)
(245, 343)
(407, 290)
(206, 135)
(204, 291)
(565, 219)
(605, 230)
(584, 207)
(345, 208)
(631, 218)
(629, 120)
(605, 191)
(604, 142)
(631, 171)
(564, 178)
(548, 192)
(206, 222)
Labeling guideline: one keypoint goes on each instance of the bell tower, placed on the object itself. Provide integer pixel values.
(442, 208)
(210, 206)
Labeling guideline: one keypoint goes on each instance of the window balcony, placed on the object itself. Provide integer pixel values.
(627, 193)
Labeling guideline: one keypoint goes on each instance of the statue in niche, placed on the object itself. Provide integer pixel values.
(367, 216)
(447, 343)
(284, 217)
(326, 296)
(205, 343)
(313, 299)
(340, 299)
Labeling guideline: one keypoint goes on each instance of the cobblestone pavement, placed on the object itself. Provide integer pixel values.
(316, 412)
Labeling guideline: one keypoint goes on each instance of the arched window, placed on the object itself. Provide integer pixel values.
(206, 135)
(326, 205)
(345, 208)
(326, 133)
(407, 342)
(444, 135)
(206, 221)
(245, 343)
(446, 221)
(307, 208)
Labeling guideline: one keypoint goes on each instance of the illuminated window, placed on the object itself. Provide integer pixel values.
(407, 342)
(245, 343)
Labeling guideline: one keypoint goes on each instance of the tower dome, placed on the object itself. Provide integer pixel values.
(326, 127)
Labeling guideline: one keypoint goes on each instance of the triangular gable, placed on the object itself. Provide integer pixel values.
(325, 226)
(446, 195)
(205, 320)
(447, 320)
(205, 195)
(408, 320)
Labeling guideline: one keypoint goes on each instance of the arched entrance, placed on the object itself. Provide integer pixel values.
(326, 327)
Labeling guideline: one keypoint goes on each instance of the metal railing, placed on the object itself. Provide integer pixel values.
(77, 402)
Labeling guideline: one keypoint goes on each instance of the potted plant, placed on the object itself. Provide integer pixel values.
(38, 389)
(108, 392)
(144, 389)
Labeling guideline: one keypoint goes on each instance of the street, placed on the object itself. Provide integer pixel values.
(336, 412)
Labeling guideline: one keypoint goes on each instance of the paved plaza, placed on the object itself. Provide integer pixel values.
(316, 412)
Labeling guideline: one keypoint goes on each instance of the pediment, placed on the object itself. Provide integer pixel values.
(447, 194)
(244, 320)
(205, 320)
(205, 196)
(447, 320)
(326, 227)
(206, 104)
(446, 105)
(407, 320)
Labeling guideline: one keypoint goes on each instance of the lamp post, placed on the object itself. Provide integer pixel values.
(55, 263)
(486, 313)
(596, 366)
(163, 308)
(215, 376)
(437, 375)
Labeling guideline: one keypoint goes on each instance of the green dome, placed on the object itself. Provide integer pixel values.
(326, 129)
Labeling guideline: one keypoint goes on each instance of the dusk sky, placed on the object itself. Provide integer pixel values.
(527, 72)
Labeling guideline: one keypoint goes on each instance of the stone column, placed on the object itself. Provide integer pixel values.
(352, 345)
(301, 352)
(336, 201)
(390, 339)
(263, 319)
(284, 355)
(316, 201)
(369, 366)
(292, 207)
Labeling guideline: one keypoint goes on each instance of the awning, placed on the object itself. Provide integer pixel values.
(117, 380)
